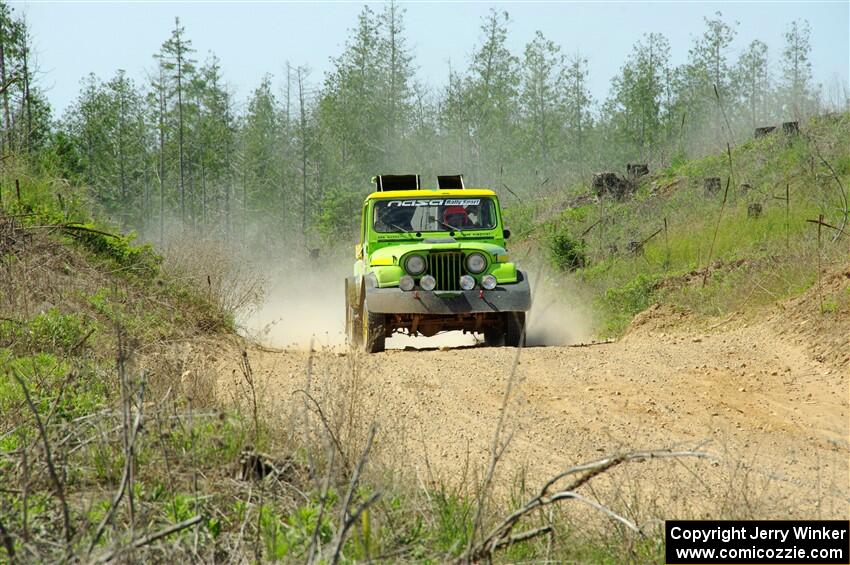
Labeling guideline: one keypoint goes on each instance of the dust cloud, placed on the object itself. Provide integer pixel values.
(309, 307)
(301, 307)
(560, 313)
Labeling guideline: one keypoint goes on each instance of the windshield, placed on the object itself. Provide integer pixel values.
(434, 214)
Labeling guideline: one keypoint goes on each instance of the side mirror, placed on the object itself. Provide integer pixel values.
(358, 251)
(506, 233)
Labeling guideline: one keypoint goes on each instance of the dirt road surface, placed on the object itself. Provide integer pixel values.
(758, 396)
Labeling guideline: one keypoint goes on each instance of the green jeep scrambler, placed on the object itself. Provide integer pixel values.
(433, 260)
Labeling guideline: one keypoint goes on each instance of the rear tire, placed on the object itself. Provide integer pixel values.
(515, 329)
(374, 331)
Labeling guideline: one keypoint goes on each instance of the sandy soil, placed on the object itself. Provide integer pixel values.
(758, 396)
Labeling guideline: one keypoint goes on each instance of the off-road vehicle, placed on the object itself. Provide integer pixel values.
(433, 260)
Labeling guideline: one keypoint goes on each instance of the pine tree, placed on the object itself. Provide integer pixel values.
(752, 74)
(10, 30)
(260, 161)
(636, 106)
(303, 143)
(543, 81)
(175, 55)
(350, 112)
(577, 108)
(157, 104)
(216, 133)
(797, 69)
(395, 66)
(704, 85)
(492, 88)
(126, 130)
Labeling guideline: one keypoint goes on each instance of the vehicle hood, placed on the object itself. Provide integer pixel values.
(395, 252)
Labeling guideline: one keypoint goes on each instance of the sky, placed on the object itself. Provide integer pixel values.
(73, 39)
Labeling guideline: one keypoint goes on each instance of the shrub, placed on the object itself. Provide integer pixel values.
(139, 259)
(50, 331)
(566, 252)
(634, 296)
(623, 302)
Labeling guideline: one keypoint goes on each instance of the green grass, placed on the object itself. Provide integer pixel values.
(752, 261)
(189, 448)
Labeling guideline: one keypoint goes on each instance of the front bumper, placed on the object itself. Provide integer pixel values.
(515, 297)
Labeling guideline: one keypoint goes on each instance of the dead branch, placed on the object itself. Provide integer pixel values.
(7, 542)
(643, 242)
(497, 451)
(58, 488)
(13, 79)
(79, 228)
(826, 225)
(125, 478)
(729, 180)
(141, 542)
(500, 536)
(248, 375)
(841, 191)
(71, 228)
(346, 520)
(326, 424)
(314, 552)
(524, 536)
(593, 343)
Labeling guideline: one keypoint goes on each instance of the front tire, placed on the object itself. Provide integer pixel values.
(374, 331)
(515, 329)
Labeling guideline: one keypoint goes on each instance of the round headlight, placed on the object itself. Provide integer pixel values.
(475, 263)
(415, 265)
(406, 282)
(467, 282)
(488, 282)
(428, 282)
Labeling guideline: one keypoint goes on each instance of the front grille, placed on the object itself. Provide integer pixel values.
(447, 269)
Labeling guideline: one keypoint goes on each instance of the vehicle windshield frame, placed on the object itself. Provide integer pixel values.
(484, 208)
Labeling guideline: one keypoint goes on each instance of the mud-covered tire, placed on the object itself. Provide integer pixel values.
(374, 331)
(353, 316)
(514, 329)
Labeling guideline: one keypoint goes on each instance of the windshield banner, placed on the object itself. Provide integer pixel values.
(436, 202)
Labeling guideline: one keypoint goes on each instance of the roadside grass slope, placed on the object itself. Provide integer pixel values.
(117, 443)
(713, 257)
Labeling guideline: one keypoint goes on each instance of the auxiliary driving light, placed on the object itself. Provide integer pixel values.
(488, 282)
(428, 282)
(476, 263)
(415, 265)
(406, 282)
(467, 282)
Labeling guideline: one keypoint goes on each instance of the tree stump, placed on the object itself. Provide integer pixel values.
(636, 170)
(791, 128)
(754, 210)
(611, 184)
(711, 185)
(763, 131)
